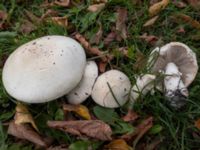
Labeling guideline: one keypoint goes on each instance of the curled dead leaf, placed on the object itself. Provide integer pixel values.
(23, 116)
(96, 7)
(157, 7)
(63, 3)
(130, 116)
(151, 39)
(62, 21)
(89, 49)
(197, 124)
(91, 128)
(98, 36)
(110, 37)
(33, 18)
(49, 13)
(118, 144)
(122, 16)
(179, 4)
(150, 22)
(187, 19)
(81, 110)
(194, 3)
(24, 131)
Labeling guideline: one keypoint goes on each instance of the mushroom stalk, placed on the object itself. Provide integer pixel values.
(175, 90)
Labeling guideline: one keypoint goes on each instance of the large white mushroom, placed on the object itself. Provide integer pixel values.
(111, 89)
(84, 88)
(179, 64)
(44, 69)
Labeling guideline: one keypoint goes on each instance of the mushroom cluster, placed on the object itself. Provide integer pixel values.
(53, 66)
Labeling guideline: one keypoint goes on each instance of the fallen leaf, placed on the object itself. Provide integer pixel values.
(62, 21)
(179, 4)
(118, 144)
(197, 124)
(91, 128)
(141, 129)
(64, 3)
(187, 19)
(121, 22)
(96, 7)
(123, 51)
(181, 30)
(49, 13)
(3, 17)
(110, 37)
(23, 116)
(88, 48)
(102, 66)
(150, 22)
(98, 36)
(151, 39)
(81, 110)
(157, 7)
(130, 116)
(140, 61)
(60, 147)
(24, 131)
(194, 3)
(27, 27)
(33, 18)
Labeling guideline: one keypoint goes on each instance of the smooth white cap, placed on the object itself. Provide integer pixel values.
(119, 84)
(44, 69)
(84, 88)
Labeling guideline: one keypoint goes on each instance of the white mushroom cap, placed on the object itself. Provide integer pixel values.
(44, 69)
(119, 88)
(143, 85)
(84, 88)
(182, 56)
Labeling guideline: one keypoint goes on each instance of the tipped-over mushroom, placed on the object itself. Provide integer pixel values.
(44, 69)
(111, 89)
(179, 64)
(84, 88)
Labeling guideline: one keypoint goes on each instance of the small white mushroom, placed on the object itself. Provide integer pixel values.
(179, 64)
(111, 89)
(144, 84)
(84, 88)
(44, 69)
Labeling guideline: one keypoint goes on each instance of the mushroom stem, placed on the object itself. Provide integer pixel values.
(175, 90)
(143, 85)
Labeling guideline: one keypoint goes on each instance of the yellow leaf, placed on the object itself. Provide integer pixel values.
(81, 110)
(150, 22)
(197, 124)
(62, 21)
(117, 144)
(22, 116)
(157, 7)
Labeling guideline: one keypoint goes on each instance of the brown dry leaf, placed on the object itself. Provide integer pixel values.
(118, 144)
(151, 39)
(179, 4)
(194, 3)
(197, 124)
(64, 3)
(140, 62)
(187, 19)
(23, 116)
(122, 16)
(24, 131)
(27, 27)
(130, 116)
(98, 36)
(60, 147)
(102, 66)
(100, 1)
(124, 51)
(96, 7)
(33, 18)
(157, 7)
(88, 48)
(110, 37)
(181, 30)
(150, 22)
(49, 13)
(141, 129)
(81, 110)
(62, 21)
(3, 17)
(96, 129)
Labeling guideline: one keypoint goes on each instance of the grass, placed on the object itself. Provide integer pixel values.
(178, 126)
